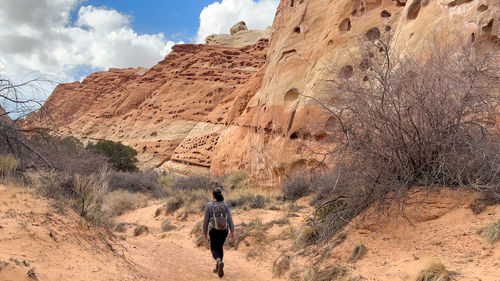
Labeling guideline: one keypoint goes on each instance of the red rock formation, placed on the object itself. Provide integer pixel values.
(174, 111)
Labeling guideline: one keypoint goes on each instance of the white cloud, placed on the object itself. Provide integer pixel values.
(218, 17)
(39, 36)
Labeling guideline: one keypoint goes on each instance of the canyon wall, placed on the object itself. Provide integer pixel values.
(221, 108)
(275, 133)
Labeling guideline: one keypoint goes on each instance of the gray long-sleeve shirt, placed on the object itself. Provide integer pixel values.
(209, 217)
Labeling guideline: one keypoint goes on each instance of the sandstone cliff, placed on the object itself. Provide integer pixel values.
(225, 108)
(278, 124)
(174, 111)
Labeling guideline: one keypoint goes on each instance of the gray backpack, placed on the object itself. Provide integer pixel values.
(220, 215)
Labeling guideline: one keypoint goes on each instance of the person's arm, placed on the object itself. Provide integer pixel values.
(206, 220)
(230, 221)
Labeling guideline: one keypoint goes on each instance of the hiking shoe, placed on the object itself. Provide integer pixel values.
(218, 261)
(220, 269)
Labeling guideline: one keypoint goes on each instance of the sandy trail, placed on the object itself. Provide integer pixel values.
(64, 247)
(176, 256)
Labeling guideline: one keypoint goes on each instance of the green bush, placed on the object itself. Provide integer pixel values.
(122, 157)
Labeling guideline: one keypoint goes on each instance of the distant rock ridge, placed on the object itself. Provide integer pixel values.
(239, 36)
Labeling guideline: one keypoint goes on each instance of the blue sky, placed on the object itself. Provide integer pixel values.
(178, 20)
(66, 40)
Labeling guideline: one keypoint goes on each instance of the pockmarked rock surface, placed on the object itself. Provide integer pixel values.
(221, 108)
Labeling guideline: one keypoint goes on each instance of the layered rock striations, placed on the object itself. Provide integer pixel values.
(279, 126)
(244, 108)
(173, 112)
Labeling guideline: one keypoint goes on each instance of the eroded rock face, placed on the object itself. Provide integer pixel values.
(274, 131)
(239, 36)
(217, 108)
(172, 113)
(238, 27)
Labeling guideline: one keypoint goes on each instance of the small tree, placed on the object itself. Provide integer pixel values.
(122, 157)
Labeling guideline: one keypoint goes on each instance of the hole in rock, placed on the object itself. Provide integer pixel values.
(385, 14)
(489, 27)
(297, 30)
(414, 9)
(346, 71)
(482, 8)
(294, 136)
(345, 25)
(290, 97)
(330, 42)
(458, 2)
(373, 34)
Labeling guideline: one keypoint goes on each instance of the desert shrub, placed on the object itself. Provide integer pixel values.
(333, 272)
(122, 227)
(52, 185)
(238, 180)
(254, 201)
(122, 157)
(121, 201)
(101, 218)
(141, 229)
(8, 164)
(90, 190)
(65, 155)
(166, 225)
(491, 232)
(173, 204)
(358, 252)
(398, 122)
(195, 201)
(255, 229)
(435, 271)
(307, 236)
(193, 183)
(296, 187)
(281, 265)
(134, 182)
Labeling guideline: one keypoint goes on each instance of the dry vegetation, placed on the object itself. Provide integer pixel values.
(402, 121)
(491, 232)
(435, 271)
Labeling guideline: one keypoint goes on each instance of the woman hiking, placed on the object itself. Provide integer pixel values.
(216, 223)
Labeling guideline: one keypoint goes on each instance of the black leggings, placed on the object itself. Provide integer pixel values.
(217, 239)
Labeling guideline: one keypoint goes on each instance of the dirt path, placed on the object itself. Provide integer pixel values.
(175, 257)
(170, 260)
(64, 247)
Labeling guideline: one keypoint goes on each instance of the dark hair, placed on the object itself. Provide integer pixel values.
(218, 194)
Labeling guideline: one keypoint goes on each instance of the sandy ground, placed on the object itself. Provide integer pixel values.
(435, 226)
(64, 247)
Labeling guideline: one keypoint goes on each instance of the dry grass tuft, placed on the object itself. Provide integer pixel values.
(173, 204)
(281, 265)
(491, 232)
(435, 271)
(358, 252)
(8, 164)
(140, 230)
(306, 237)
(167, 226)
(121, 201)
(337, 272)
